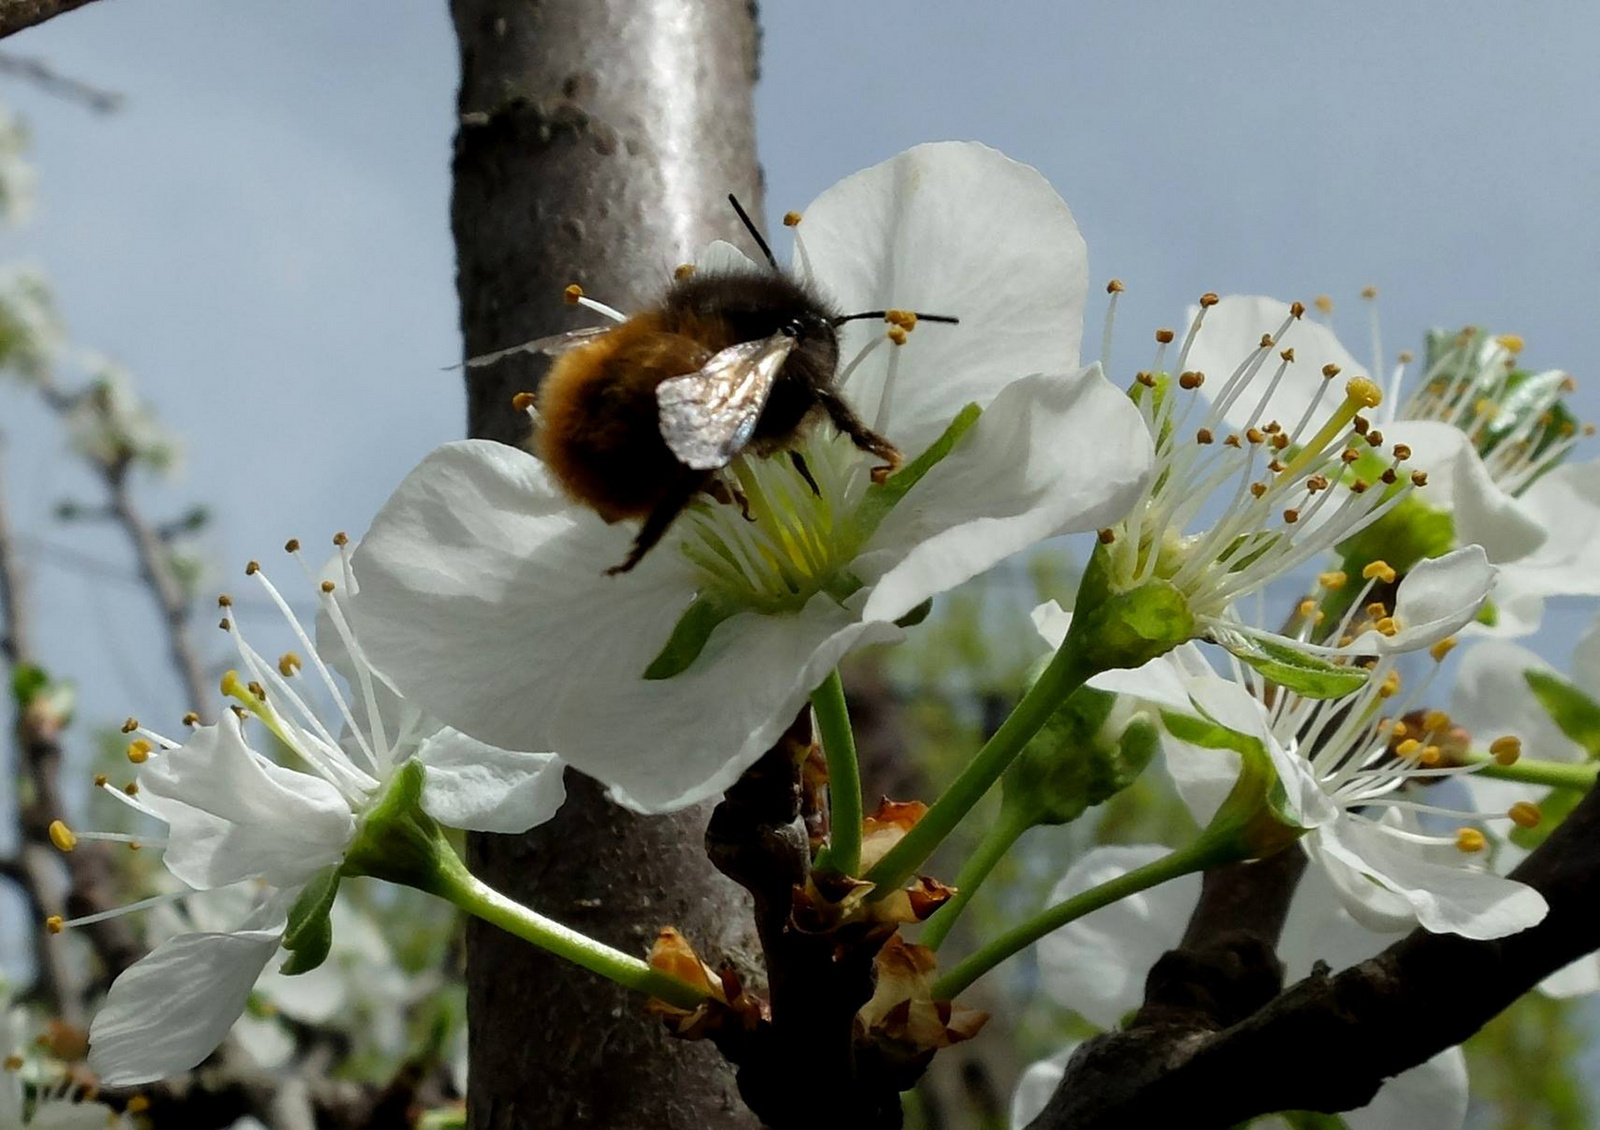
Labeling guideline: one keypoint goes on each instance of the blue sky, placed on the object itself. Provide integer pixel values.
(262, 233)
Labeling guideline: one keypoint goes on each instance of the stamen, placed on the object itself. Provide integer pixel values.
(1113, 288)
(1506, 750)
(1470, 840)
(1525, 814)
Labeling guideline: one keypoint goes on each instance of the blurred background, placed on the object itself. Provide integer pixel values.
(257, 233)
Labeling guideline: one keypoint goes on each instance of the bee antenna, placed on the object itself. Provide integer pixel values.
(947, 319)
(750, 227)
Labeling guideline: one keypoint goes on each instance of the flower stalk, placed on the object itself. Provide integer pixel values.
(1555, 774)
(1206, 852)
(843, 853)
(996, 842)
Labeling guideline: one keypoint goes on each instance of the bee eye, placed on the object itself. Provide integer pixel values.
(794, 328)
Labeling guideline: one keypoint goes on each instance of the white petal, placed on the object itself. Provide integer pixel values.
(1037, 1085)
(63, 1114)
(1436, 599)
(1052, 622)
(1566, 503)
(1052, 455)
(235, 815)
(171, 1009)
(719, 257)
(10, 1100)
(1585, 666)
(950, 228)
(1578, 979)
(483, 598)
(1319, 928)
(1446, 899)
(1431, 1096)
(1097, 965)
(483, 788)
(1232, 331)
(1459, 482)
(265, 1039)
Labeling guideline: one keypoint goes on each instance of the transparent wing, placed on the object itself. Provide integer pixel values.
(707, 416)
(554, 345)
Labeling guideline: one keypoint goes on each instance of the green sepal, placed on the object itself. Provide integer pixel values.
(880, 498)
(1254, 819)
(34, 690)
(916, 616)
(1080, 758)
(1127, 629)
(27, 681)
(1309, 676)
(689, 636)
(399, 842)
(1574, 713)
(309, 935)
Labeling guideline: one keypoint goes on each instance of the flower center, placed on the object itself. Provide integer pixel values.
(786, 530)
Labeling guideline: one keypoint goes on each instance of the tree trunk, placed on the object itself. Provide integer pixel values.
(598, 141)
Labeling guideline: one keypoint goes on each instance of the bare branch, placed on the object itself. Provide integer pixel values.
(15, 15)
(1425, 993)
(52, 81)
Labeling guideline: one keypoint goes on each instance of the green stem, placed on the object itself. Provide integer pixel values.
(1067, 671)
(843, 853)
(1196, 857)
(1556, 774)
(454, 883)
(990, 851)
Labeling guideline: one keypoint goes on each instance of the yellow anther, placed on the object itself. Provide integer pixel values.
(1377, 609)
(1387, 626)
(1333, 580)
(1511, 343)
(1443, 648)
(1379, 570)
(1107, 536)
(1280, 441)
(1266, 341)
(251, 568)
(224, 600)
(1297, 309)
(1429, 756)
(897, 335)
(1406, 357)
(1390, 685)
(55, 924)
(1115, 287)
(1399, 730)
(1287, 354)
(1506, 750)
(131, 788)
(1231, 440)
(1307, 607)
(1258, 489)
(191, 719)
(1525, 814)
(1254, 435)
(289, 664)
(905, 319)
(572, 294)
(682, 271)
(100, 780)
(292, 545)
(1419, 478)
(1291, 516)
(1209, 299)
(1375, 438)
(257, 691)
(1363, 392)
(1435, 721)
(1165, 336)
(130, 725)
(327, 586)
(791, 219)
(1470, 840)
(135, 845)
(1407, 748)
(62, 836)
(12, 1063)
(1323, 303)
(1369, 292)
(522, 401)
(1191, 380)
(1204, 435)
(1330, 371)
(138, 1104)
(139, 751)
(1145, 378)
(341, 538)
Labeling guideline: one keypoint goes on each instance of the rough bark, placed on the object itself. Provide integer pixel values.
(1328, 1042)
(18, 14)
(598, 141)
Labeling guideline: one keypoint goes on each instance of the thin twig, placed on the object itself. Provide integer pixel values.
(52, 81)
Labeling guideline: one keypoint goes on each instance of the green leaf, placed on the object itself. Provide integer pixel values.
(1310, 676)
(1577, 715)
(883, 497)
(27, 681)
(689, 636)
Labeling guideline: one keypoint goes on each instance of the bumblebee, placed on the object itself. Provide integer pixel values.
(636, 419)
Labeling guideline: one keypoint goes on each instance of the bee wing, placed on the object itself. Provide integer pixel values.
(554, 346)
(707, 416)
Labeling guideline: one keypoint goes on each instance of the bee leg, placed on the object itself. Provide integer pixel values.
(657, 523)
(721, 491)
(845, 419)
(799, 462)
